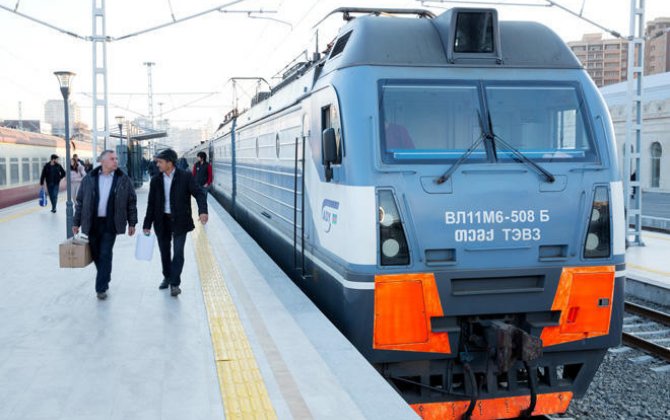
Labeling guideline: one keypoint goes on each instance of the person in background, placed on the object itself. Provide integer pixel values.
(76, 156)
(169, 211)
(52, 173)
(77, 173)
(152, 168)
(88, 166)
(202, 171)
(182, 164)
(106, 203)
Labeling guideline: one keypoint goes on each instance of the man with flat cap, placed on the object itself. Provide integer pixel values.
(169, 211)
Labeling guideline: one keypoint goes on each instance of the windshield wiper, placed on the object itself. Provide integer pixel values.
(524, 159)
(464, 156)
(486, 134)
(496, 139)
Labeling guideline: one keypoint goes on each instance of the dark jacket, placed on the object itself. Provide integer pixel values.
(182, 188)
(202, 173)
(52, 174)
(123, 206)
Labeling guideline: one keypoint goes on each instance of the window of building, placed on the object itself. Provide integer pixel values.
(656, 152)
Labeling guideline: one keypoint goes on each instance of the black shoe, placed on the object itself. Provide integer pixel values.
(164, 285)
(102, 296)
(175, 290)
(53, 210)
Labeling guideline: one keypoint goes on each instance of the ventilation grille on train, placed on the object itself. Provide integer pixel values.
(340, 44)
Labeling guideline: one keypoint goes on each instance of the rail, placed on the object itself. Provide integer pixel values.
(640, 343)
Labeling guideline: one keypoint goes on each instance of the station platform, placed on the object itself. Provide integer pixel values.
(241, 341)
(648, 268)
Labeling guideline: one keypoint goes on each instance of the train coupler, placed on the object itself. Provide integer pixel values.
(509, 344)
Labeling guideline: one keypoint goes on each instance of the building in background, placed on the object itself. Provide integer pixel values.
(655, 148)
(183, 139)
(606, 60)
(33, 126)
(657, 47)
(54, 114)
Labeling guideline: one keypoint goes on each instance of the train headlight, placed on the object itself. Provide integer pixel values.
(390, 248)
(385, 219)
(592, 242)
(595, 215)
(393, 246)
(597, 241)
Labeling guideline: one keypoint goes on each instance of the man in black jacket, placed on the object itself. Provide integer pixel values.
(169, 210)
(52, 173)
(106, 202)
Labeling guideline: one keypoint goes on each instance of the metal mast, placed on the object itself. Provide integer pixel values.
(20, 117)
(631, 154)
(151, 94)
(100, 99)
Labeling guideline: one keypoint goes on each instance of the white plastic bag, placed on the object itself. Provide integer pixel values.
(144, 250)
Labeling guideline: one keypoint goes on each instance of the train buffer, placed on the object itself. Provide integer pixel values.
(241, 341)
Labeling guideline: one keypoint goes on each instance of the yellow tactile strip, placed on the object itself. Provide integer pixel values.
(19, 214)
(242, 387)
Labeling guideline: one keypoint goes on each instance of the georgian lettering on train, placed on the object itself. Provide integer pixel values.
(510, 226)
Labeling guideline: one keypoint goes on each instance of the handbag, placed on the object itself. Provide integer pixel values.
(43, 197)
(144, 248)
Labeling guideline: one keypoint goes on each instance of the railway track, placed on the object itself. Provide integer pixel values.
(648, 346)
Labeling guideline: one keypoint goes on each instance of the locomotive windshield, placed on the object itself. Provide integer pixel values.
(545, 122)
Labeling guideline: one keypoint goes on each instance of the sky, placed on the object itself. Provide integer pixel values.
(195, 59)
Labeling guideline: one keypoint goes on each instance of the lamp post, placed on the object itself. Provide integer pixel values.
(122, 161)
(64, 79)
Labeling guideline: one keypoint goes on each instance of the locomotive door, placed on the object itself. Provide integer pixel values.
(299, 199)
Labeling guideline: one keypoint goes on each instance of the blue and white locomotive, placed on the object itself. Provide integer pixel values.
(445, 188)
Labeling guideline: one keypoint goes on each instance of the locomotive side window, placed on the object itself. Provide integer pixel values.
(544, 122)
(430, 122)
(3, 171)
(330, 118)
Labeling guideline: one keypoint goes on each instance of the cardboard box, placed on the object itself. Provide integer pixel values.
(74, 254)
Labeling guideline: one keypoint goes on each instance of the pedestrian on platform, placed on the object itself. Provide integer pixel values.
(106, 203)
(77, 173)
(152, 168)
(52, 173)
(202, 171)
(182, 163)
(169, 211)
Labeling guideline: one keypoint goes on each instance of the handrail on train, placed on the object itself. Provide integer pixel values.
(347, 11)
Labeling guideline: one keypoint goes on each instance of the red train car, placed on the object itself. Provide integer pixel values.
(22, 156)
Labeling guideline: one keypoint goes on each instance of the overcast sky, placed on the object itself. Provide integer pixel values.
(200, 55)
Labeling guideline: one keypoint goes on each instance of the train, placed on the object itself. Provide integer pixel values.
(23, 154)
(445, 188)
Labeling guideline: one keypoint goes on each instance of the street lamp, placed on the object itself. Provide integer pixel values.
(119, 120)
(65, 79)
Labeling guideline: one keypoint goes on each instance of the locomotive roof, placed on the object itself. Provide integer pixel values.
(380, 40)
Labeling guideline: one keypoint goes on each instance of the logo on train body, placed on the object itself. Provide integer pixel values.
(329, 214)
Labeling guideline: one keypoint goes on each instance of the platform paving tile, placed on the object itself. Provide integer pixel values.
(141, 354)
